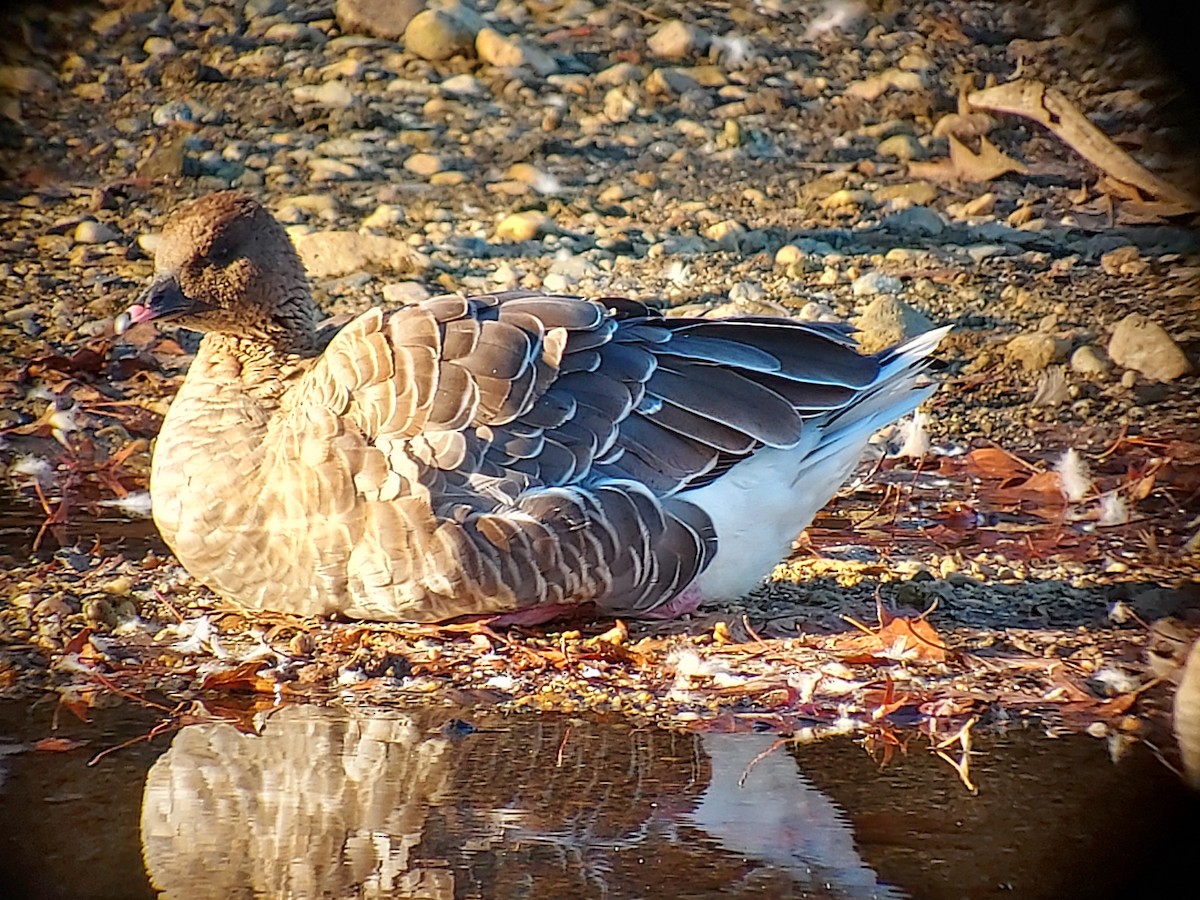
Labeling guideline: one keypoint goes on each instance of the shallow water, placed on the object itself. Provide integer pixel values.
(417, 803)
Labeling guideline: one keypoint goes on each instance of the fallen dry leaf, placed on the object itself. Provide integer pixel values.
(901, 639)
(1050, 108)
(57, 745)
(965, 165)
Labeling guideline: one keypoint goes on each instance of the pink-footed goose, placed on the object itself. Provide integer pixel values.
(507, 453)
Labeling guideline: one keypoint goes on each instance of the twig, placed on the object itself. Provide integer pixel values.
(754, 762)
(148, 736)
(562, 746)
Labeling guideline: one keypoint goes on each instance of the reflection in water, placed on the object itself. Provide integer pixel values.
(369, 803)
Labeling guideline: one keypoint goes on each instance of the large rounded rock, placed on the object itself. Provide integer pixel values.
(434, 34)
(1143, 345)
(385, 19)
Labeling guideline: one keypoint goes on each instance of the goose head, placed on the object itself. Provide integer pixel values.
(224, 265)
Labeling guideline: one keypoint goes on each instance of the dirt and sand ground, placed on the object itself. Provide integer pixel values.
(846, 160)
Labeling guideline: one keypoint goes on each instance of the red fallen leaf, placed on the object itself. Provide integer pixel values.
(243, 677)
(57, 745)
(901, 639)
(84, 361)
(992, 462)
(77, 706)
(943, 536)
(77, 643)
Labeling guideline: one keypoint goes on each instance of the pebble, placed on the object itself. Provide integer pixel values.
(322, 168)
(321, 205)
(424, 164)
(174, 112)
(1125, 260)
(846, 198)
(331, 94)
(384, 216)
(919, 193)
(916, 221)
(90, 231)
(617, 75)
(293, 33)
(463, 85)
(1090, 361)
(158, 46)
(618, 107)
(902, 147)
(523, 226)
(1034, 351)
(385, 19)
(727, 233)
(747, 293)
(511, 52)
(676, 39)
(876, 282)
(404, 293)
(789, 255)
(330, 254)
(434, 35)
(887, 321)
(1143, 345)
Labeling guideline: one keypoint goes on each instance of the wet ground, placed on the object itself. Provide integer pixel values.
(788, 158)
(446, 803)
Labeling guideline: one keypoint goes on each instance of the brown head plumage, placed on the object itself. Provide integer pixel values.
(224, 264)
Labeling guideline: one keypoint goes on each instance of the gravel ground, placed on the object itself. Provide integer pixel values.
(783, 157)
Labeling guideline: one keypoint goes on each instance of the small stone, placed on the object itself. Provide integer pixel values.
(26, 79)
(433, 35)
(405, 293)
(331, 254)
(556, 283)
(510, 52)
(523, 226)
(322, 168)
(424, 164)
(617, 75)
(847, 199)
(331, 94)
(675, 39)
(617, 106)
(293, 33)
(463, 85)
(1090, 361)
(158, 46)
(448, 179)
(176, 112)
(92, 232)
(1143, 345)
(320, 205)
(876, 282)
(385, 19)
(1033, 351)
(887, 321)
(728, 233)
(747, 294)
(384, 216)
(919, 193)
(916, 221)
(902, 147)
(789, 255)
(1114, 262)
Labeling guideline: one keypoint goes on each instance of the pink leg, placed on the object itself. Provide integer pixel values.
(681, 604)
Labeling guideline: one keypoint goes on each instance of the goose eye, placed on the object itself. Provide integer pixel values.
(221, 254)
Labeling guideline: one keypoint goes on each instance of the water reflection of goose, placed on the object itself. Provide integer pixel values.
(330, 803)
